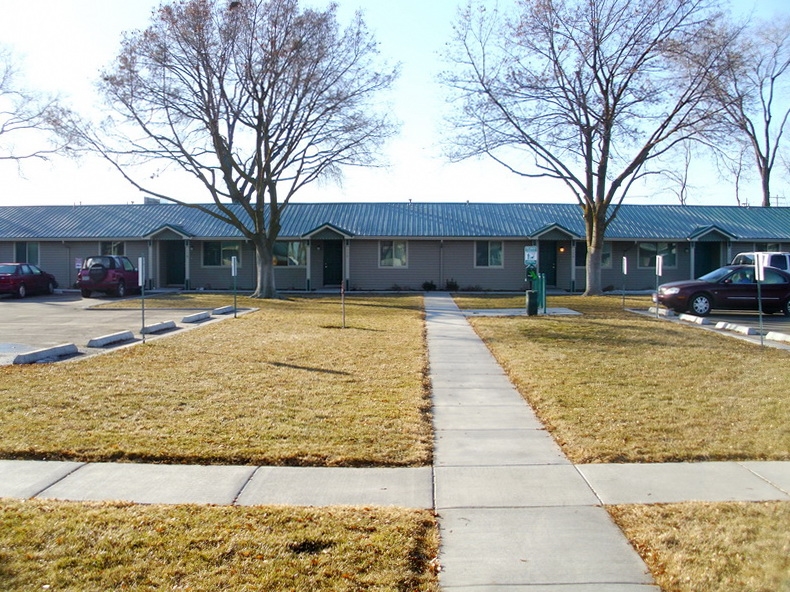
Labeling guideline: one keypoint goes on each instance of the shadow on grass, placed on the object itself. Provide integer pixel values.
(351, 327)
(308, 369)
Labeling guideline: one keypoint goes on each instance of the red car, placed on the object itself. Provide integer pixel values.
(112, 274)
(21, 279)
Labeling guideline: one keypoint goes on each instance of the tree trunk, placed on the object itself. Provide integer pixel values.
(595, 221)
(766, 184)
(594, 286)
(264, 287)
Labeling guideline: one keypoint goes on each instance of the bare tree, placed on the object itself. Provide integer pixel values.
(32, 125)
(753, 92)
(254, 99)
(583, 91)
(733, 166)
(681, 176)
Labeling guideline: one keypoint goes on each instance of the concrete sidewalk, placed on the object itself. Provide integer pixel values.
(215, 484)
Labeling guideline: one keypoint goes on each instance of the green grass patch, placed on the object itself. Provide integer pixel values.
(284, 385)
(613, 386)
(88, 546)
(704, 547)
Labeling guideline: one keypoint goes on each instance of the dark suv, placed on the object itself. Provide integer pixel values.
(107, 273)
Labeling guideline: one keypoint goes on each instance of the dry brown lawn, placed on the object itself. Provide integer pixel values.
(700, 547)
(48, 545)
(284, 385)
(613, 386)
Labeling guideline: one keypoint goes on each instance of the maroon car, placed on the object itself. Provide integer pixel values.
(21, 279)
(732, 287)
(112, 274)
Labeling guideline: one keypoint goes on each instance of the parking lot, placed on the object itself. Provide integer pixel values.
(38, 322)
(774, 322)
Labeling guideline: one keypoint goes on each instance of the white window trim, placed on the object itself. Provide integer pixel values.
(666, 266)
(203, 265)
(393, 241)
(603, 266)
(288, 264)
(474, 254)
(27, 244)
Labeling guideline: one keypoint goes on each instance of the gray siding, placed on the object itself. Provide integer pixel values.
(459, 266)
(220, 278)
(422, 266)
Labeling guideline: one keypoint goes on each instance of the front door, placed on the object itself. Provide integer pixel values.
(175, 263)
(707, 257)
(333, 262)
(547, 261)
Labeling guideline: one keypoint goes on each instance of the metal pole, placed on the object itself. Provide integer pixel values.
(234, 270)
(343, 301)
(141, 280)
(760, 311)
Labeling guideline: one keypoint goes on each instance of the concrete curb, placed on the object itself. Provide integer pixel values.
(736, 328)
(197, 317)
(57, 351)
(776, 336)
(163, 326)
(721, 326)
(106, 340)
(695, 319)
(222, 310)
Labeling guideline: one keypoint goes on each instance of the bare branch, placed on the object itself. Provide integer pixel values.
(32, 125)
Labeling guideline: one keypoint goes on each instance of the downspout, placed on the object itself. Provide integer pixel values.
(150, 271)
(441, 264)
(693, 257)
(309, 265)
(187, 263)
(573, 266)
(347, 264)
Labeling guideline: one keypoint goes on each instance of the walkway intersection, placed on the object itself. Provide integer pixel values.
(514, 513)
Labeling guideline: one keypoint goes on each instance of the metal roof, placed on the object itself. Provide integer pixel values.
(407, 220)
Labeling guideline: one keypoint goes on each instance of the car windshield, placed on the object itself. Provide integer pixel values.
(105, 261)
(7, 268)
(715, 275)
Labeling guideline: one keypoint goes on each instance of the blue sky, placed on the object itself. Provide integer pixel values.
(64, 43)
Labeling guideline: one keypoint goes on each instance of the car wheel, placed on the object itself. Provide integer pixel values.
(50, 288)
(21, 291)
(786, 308)
(85, 293)
(700, 305)
(120, 291)
(97, 272)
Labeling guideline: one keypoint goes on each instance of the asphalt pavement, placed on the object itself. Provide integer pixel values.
(39, 322)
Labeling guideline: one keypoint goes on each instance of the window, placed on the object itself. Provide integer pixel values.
(219, 253)
(778, 261)
(649, 251)
(293, 253)
(113, 248)
(771, 277)
(26, 253)
(393, 253)
(488, 254)
(606, 256)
